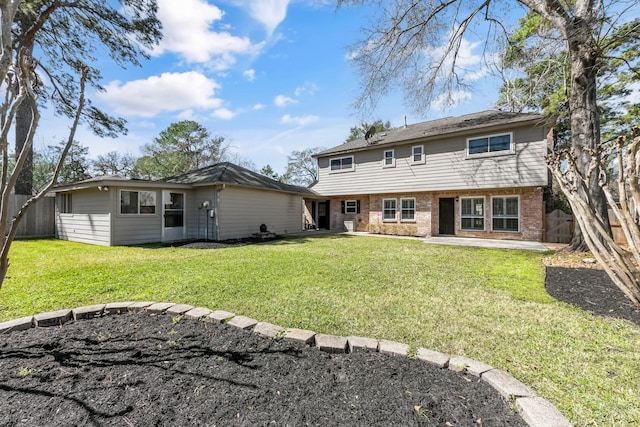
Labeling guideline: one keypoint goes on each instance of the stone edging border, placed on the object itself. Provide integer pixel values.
(536, 411)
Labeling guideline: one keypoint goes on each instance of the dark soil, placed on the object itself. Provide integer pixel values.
(591, 290)
(143, 370)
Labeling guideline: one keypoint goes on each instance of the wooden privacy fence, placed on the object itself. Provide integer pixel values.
(39, 221)
(558, 227)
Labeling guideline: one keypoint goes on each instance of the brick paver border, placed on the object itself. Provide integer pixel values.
(536, 411)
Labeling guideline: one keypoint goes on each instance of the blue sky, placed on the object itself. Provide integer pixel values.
(270, 76)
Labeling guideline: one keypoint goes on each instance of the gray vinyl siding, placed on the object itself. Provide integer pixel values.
(198, 224)
(242, 210)
(84, 228)
(130, 229)
(90, 221)
(446, 167)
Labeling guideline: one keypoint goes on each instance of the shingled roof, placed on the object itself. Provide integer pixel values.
(436, 128)
(229, 173)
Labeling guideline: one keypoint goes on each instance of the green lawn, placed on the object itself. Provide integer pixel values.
(487, 304)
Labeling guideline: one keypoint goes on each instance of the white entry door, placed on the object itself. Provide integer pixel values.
(173, 224)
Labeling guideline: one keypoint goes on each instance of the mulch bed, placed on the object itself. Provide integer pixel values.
(591, 290)
(143, 370)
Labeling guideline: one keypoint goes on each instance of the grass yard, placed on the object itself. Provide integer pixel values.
(487, 304)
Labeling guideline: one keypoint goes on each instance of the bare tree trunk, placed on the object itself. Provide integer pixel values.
(24, 116)
(585, 119)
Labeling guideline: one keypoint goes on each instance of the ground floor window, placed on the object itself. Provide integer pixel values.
(472, 213)
(137, 202)
(66, 205)
(505, 213)
(389, 209)
(408, 209)
(351, 207)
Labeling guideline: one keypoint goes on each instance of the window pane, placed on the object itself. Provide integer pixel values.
(129, 202)
(505, 214)
(147, 202)
(472, 214)
(500, 143)
(498, 207)
(417, 154)
(335, 164)
(389, 209)
(408, 214)
(347, 162)
(408, 208)
(477, 146)
(466, 206)
(173, 219)
(512, 206)
(388, 157)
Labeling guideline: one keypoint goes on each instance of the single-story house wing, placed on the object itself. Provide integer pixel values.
(219, 202)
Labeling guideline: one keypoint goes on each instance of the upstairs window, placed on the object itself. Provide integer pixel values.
(389, 160)
(417, 154)
(493, 144)
(138, 202)
(472, 213)
(342, 164)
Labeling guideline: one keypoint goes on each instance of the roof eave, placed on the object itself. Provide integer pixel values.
(539, 120)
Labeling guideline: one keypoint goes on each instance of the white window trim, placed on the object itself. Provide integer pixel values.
(484, 216)
(519, 214)
(395, 219)
(346, 207)
(384, 159)
(137, 213)
(415, 209)
(422, 156)
(352, 169)
(510, 151)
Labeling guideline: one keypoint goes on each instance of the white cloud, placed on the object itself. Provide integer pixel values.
(307, 88)
(270, 13)
(258, 107)
(186, 115)
(283, 101)
(300, 121)
(469, 65)
(249, 74)
(446, 100)
(167, 92)
(186, 28)
(224, 114)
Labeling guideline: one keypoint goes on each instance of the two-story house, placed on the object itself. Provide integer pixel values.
(478, 175)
